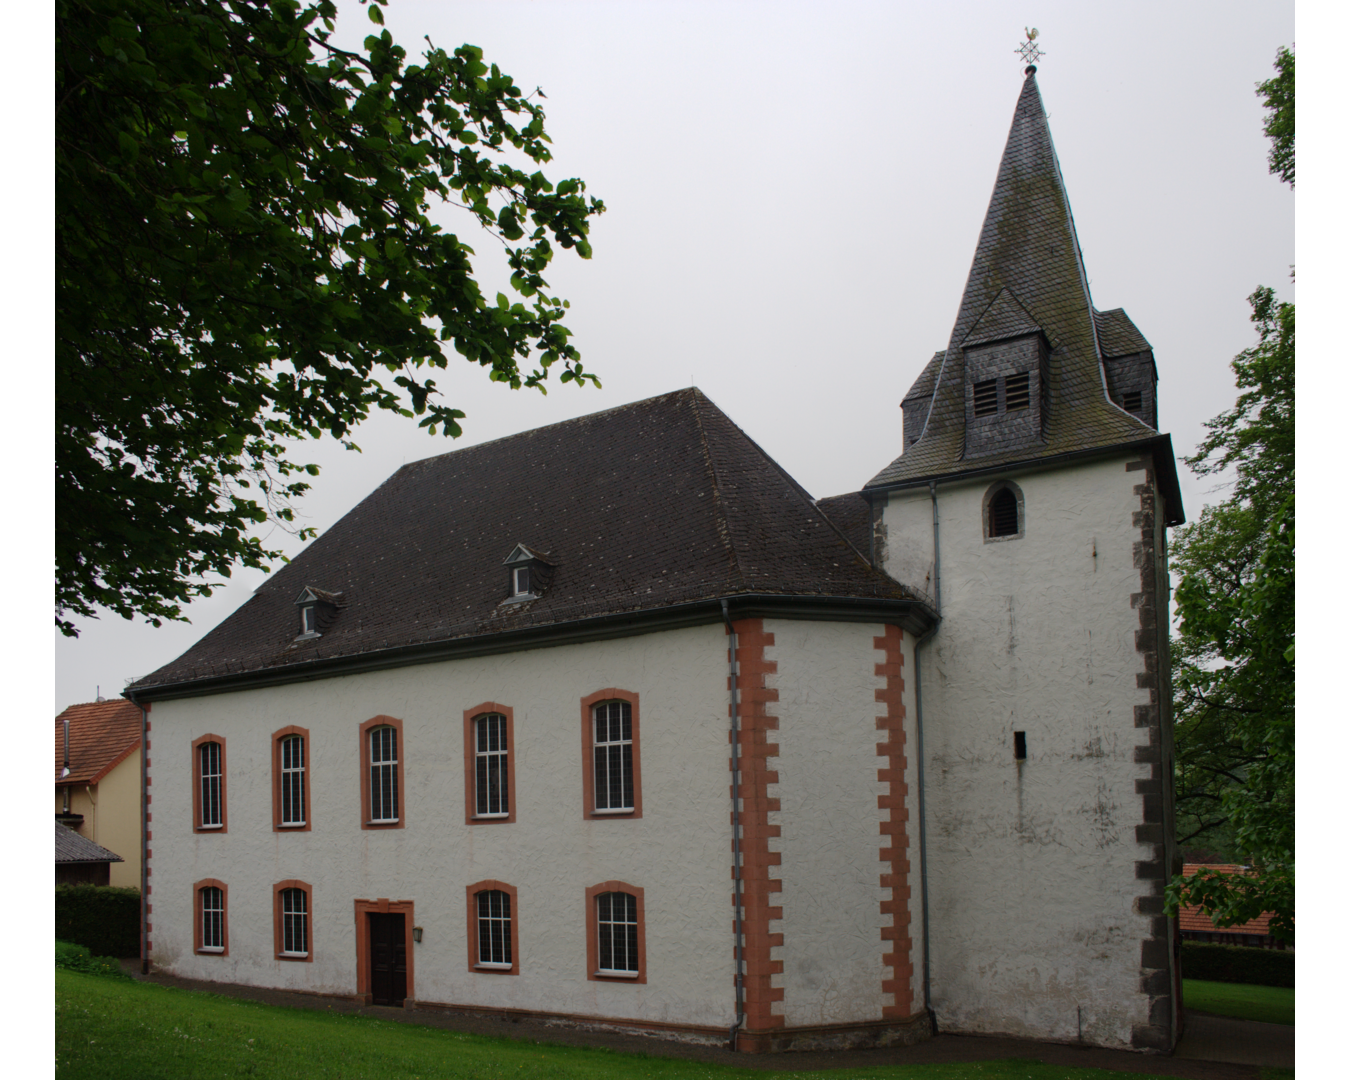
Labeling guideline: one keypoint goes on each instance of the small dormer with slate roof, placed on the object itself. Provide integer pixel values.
(529, 573)
(318, 609)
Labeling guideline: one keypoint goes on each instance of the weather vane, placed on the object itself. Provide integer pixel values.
(1030, 51)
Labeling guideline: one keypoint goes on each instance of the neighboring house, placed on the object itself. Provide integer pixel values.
(551, 725)
(100, 794)
(80, 861)
(1197, 926)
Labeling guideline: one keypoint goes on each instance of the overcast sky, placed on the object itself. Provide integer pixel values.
(794, 194)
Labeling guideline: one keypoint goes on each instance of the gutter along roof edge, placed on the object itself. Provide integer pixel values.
(912, 615)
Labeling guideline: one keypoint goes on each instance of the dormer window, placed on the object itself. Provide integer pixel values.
(316, 608)
(1018, 391)
(520, 581)
(529, 573)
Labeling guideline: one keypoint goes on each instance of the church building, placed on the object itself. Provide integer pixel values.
(610, 722)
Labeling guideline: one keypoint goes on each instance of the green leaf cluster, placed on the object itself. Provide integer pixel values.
(245, 258)
(1279, 126)
(1233, 655)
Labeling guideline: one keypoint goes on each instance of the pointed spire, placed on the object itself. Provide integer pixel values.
(1028, 244)
(1027, 276)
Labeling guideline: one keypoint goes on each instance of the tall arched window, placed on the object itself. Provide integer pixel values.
(1003, 510)
(382, 789)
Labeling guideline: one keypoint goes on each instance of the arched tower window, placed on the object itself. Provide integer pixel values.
(1003, 510)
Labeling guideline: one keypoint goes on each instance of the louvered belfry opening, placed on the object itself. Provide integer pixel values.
(986, 397)
(1003, 514)
(1018, 391)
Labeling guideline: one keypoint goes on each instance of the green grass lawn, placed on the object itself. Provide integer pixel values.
(111, 1029)
(1272, 1004)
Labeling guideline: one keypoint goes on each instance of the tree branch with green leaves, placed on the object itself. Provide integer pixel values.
(246, 259)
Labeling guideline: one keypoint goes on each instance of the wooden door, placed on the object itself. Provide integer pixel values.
(388, 960)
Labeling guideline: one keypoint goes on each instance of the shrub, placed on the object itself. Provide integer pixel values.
(103, 919)
(1236, 964)
(74, 957)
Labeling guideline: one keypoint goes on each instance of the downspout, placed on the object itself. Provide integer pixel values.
(145, 843)
(735, 830)
(923, 817)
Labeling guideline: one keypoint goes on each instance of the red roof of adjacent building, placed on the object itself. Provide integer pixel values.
(1193, 919)
(103, 734)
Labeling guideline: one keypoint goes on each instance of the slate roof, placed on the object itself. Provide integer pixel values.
(662, 502)
(853, 514)
(103, 734)
(1027, 275)
(71, 847)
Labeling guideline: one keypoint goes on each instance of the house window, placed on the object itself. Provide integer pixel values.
(213, 919)
(293, 914)
(1018, 392)
(382, 773)
(616, 945)
(290, 787)
(208, 784)
(494, 936)
(307, 620)
(520, 581)
(611, 770)
(986, 397)
(613, 752)
(489, 771)
(211, 934)
(1003, 512)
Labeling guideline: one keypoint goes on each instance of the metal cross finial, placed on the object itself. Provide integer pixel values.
(1030, 51)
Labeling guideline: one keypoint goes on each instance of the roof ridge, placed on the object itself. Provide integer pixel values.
(548, 427)
(792, 482)
(719, 504)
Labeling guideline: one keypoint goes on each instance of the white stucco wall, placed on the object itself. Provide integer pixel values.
(1032, 864)
(831, 839)
(678, 852)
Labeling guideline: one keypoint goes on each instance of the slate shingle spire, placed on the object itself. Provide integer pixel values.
(1027, 277)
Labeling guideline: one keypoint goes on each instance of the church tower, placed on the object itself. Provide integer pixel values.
(1031, 501)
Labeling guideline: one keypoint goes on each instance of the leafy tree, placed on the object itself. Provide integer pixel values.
(1279, 95)
(245, 259)
(1233, 670)
(1233, 655)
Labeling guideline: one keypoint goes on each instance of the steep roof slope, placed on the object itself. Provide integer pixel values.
(662, 502)
(1027, 274)
(103, 734)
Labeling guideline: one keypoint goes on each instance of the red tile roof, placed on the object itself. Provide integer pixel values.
(1193, 919)
(103, 734)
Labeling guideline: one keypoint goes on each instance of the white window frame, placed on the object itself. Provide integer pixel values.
(212, 932)
(292, 776)
(212, 793)
(606, 752)
(607, 931)
(501, 921)
(486, 761)
(293, 918)
(381, 766)
(520, 581)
